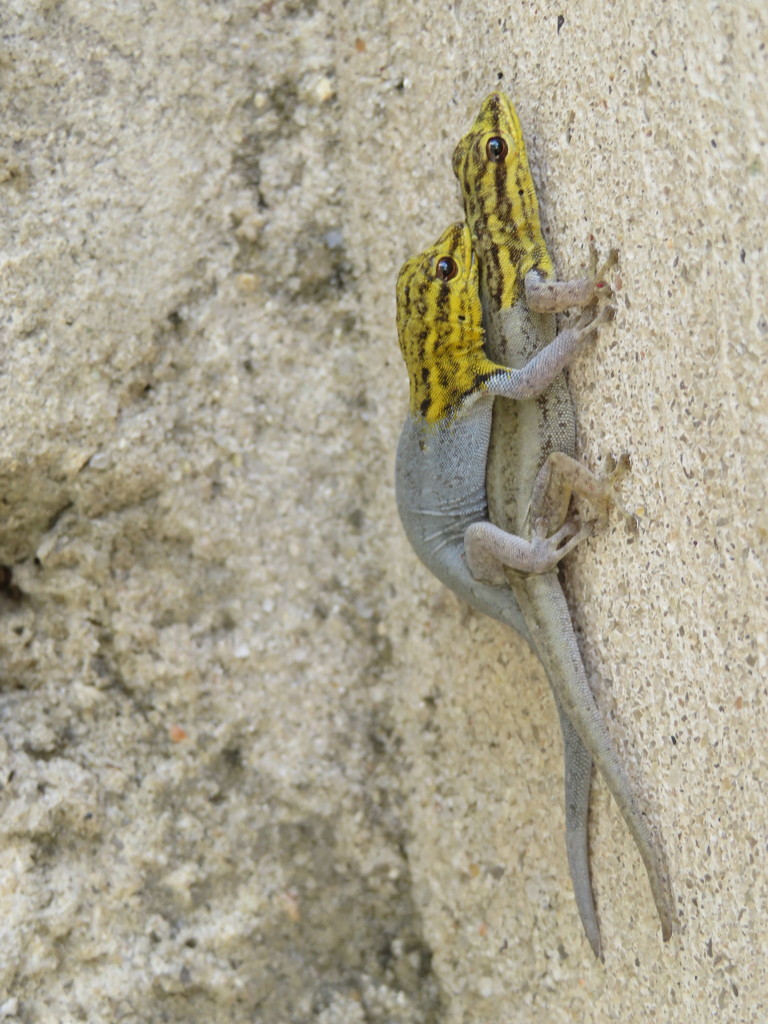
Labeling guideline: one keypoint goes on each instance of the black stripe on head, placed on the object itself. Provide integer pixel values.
(526, 228)
(443, 305)
(495, 108)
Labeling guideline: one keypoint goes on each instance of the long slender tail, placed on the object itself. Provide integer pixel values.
(548, 619)
(578, 779)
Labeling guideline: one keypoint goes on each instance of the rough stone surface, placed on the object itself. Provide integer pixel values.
(256, 765)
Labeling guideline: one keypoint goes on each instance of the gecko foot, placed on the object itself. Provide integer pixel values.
(599, 274)
(589, 321)
(549, 550)
(616, 470)
(546, 295)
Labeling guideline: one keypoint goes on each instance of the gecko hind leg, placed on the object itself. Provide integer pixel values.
(489, 550)
(561, 476)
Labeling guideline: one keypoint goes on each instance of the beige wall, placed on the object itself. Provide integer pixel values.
(256, 764)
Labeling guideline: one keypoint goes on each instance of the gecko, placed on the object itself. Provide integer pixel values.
(531, 469)
(442, 455)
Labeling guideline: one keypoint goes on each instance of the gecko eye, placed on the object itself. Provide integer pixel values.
(496, 149)
(446, 268)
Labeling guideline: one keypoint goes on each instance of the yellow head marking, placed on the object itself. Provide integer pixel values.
(500, 201)
(440, 326)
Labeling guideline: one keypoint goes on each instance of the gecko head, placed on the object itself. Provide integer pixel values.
(439, 320)
(491, 164)
(495, 140)
(500, 202)
(440, 286)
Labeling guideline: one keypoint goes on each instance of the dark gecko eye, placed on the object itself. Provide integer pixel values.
(446, 268)
(496, 149)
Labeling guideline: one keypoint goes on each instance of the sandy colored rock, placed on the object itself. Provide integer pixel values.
(257, 765)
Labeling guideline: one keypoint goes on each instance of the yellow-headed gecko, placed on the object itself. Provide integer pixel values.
(531, 470)
(443, 449)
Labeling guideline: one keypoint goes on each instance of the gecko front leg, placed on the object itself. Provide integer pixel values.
(546, 295)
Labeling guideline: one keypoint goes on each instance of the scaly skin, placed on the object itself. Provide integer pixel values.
(443, 451)
(439, 327)
(528, 483)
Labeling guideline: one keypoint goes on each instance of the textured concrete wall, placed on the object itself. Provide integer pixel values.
(257, 765)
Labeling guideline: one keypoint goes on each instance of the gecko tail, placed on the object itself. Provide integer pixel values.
(545, 611)
(578, 779)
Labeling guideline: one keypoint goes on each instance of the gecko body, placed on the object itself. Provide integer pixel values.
(531, 467)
